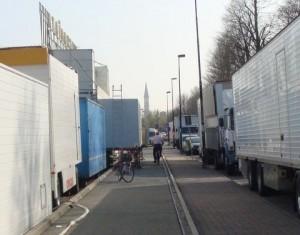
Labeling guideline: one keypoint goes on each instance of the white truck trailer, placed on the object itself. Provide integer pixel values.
(25, 198)
(65, 145)
(267, 114)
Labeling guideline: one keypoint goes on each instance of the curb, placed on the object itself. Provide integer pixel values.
(187, 214)
(65, 207)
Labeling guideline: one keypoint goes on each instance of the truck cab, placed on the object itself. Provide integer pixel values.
(190, 126)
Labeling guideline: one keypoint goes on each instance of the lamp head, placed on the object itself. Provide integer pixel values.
(181, 56)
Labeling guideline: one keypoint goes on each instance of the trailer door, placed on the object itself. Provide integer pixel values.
(77, 126)
(282, 104)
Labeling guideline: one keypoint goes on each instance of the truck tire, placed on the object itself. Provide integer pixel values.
(252, 176)
(261, 188)
(297, 194)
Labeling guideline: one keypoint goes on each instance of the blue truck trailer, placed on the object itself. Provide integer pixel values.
(93, 143)
(123, 123)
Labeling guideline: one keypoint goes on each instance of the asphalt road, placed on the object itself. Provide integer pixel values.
(142, 207)
(222, 205)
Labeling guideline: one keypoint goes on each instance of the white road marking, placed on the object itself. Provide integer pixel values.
(241, 182)
(73, 222)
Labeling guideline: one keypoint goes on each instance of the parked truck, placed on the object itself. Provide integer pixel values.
(123, 123)
(93, 143)
(267, 115)
(190, 125)
(25, 198)
(219, 125)
(64, 119)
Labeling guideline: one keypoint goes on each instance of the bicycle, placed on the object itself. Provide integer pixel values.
(125, 167)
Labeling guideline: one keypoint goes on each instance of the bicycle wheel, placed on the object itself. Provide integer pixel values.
(128, 172)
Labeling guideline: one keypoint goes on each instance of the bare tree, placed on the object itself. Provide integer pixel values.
(155, 119)
(224, 59)
(288, 12)
(188, 103)
(247, 30)
(249, 25)
(184, 99)
(191, 104)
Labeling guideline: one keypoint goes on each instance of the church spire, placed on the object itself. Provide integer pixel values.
(146, 101)
(146, 94)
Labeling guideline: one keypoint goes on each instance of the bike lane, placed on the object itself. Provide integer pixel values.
(142, 207)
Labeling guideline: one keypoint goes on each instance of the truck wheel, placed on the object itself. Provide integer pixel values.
(260, 180)
(252, 175)
(297, 194)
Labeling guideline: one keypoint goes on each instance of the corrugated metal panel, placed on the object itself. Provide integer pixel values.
(267, 100)
(92, 120)
(24, 56)
(25, 198)
(123, 123)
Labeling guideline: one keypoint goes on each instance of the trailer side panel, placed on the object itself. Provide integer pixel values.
(25, 198)
(92, 119)
(267, 101)
(123, 123)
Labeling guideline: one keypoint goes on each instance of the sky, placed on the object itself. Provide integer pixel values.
(138, 40)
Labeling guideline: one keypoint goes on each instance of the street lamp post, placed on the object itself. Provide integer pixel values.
(180, 114)
(168, 92)
(200, 82)
(173, 127)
